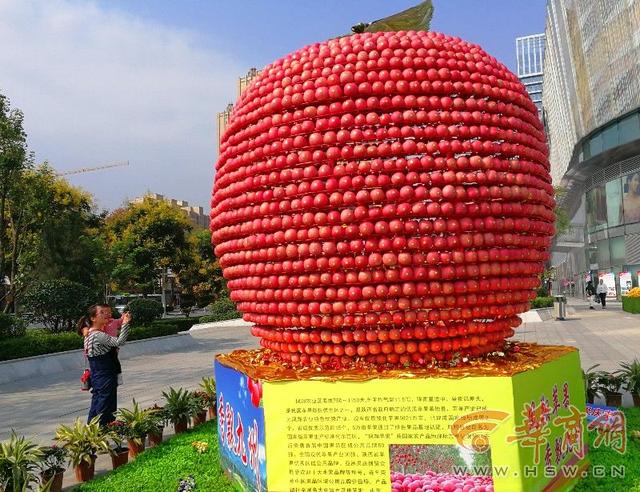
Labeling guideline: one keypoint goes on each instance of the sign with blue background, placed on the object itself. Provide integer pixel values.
(241, 428)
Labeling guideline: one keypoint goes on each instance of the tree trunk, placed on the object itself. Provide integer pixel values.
(12, 301)
(3, 231)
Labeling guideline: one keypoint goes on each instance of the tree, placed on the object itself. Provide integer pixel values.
(57, 304)
(13, 158)
(144, 239)
(53, 233)
(201, 280)
(563, 222)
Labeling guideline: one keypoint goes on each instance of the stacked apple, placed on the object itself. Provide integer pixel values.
(440, 482)
(383, 197)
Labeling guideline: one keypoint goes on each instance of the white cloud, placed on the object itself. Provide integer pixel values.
(98, 86)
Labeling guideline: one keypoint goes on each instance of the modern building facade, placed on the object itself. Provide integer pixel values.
(591, 97)
(530, 60)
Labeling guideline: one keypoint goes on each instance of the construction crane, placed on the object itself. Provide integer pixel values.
(90, 169)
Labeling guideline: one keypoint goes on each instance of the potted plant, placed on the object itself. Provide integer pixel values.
(138, 423)
(199, 404)
(84, 442)
(592, 383)
(208, 386)
(611, 382)
(118, 433)
(158, 422)
(631, 375)
(52, 465)
(178, 408)
(19, 459)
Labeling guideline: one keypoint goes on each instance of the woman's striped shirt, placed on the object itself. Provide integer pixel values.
(99, 343)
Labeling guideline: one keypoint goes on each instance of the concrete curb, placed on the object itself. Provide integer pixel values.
(73, 360)
(239, 322)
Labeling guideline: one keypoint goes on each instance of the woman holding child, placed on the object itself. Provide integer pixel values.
(101, 351)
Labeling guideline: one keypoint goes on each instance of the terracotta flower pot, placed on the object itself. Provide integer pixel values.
(85, 470)
(199, 418)
(181, 425)
(135, 448)
(119, 458)
(613, 399)
(56, 485)
(155, 438)
(212, 413)
(636, 399)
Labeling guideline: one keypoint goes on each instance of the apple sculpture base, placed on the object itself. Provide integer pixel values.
(506, 423)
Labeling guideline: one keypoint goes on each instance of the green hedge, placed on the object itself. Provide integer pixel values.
(542, 302)
(38, 342)
(631, 304)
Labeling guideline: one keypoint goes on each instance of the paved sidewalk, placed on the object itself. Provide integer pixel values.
(604, 336)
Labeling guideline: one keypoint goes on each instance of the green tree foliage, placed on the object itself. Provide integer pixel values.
(563, 221)
(53, 233)
(144, 239)
(57, 304)
(13, 158)
(201, 278)
(144, 311)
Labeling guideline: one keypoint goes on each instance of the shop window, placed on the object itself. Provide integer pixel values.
(610, 137)
(629, 128)
(618, 252)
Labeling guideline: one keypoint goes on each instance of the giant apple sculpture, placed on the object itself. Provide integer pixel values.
(383, 198)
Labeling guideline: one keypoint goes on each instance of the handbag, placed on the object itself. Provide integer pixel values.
(85, 379)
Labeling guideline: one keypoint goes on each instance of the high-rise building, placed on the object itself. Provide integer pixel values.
(243, 83)
(530, 61)
(591, 100)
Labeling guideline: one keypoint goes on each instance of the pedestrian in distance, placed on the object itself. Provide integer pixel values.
(99, 349)
(591, 293)
(601, 290)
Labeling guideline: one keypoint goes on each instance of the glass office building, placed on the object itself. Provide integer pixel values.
(530, 62)
(591, 96)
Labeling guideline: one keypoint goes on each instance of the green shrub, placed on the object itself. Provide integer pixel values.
(153, 330)
(38, 342)
(222, 309)
(144, 311)
(11, 326)
(542, 291)
(57, 304)
(542, 302)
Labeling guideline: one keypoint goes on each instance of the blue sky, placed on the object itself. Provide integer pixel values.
(142, 80)
(259, 31)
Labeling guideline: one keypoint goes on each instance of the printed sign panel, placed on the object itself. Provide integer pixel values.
(241, 432)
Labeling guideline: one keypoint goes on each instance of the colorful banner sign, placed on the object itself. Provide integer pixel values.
(610, 281)
(625, 283)
(241, 432)
(517, 432)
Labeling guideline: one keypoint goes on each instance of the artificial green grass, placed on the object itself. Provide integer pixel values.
(161, 468)
(604, 458)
